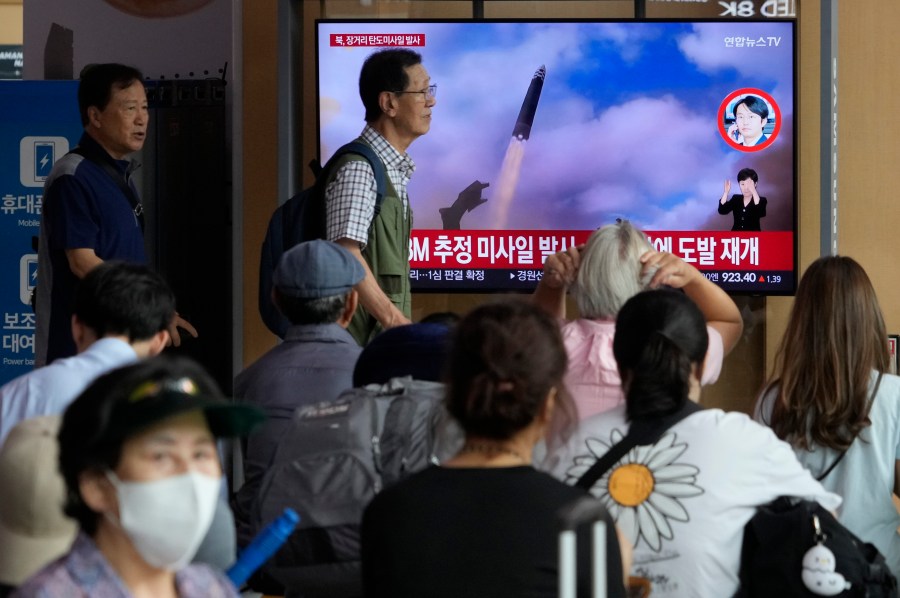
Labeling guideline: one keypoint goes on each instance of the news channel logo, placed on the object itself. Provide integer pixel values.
(36, 158)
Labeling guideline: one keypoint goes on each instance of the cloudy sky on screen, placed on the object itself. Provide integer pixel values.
(626, 126)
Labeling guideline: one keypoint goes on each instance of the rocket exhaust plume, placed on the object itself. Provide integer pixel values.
(512, 162)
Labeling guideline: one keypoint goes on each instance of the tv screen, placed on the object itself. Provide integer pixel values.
(686, 129)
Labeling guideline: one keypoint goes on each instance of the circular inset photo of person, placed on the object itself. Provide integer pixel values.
(749, 119)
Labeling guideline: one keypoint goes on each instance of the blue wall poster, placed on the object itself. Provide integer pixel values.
(39, 123)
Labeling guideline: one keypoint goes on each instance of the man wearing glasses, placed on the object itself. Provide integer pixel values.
(398, 97)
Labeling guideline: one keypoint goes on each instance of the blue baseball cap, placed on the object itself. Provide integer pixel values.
(316, 269)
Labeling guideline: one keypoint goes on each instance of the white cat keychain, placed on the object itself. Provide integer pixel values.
(819, 575)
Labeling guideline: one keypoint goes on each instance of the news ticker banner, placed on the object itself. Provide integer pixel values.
(39, 123)
(756, 262)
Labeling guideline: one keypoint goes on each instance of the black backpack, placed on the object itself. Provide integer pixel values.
(302, 218)
(795, 547)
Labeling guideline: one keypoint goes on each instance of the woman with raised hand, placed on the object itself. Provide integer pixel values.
(747, 207)
(832, 398)
(616, 263)
(684, 492)
(484, 523)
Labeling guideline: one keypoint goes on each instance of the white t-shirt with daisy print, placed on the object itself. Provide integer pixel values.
(684, 501)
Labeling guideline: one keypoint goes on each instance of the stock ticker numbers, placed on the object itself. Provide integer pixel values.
(742, 277)
(749, 281)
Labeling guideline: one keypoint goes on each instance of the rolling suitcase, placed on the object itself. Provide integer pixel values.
(584, 511)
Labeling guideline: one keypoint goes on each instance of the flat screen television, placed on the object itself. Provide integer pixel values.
(574, 124)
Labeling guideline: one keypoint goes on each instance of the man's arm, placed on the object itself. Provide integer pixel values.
(82, 260)
(350, 207)
(371, 296)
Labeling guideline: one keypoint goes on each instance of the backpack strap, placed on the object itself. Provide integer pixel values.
(844, 452)
(832, 466)
(322, 174)
(397, 438)
(103, 162)
(363, 149)
(409, 434)
(641, 432)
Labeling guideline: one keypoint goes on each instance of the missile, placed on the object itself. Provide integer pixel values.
(522, 130)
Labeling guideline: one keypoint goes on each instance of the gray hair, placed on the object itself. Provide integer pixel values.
(319, 310)
(610, 270)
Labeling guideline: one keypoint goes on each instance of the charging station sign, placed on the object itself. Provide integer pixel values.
(39, 123)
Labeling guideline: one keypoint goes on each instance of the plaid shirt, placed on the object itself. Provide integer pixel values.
(350, 198)
(84, 572)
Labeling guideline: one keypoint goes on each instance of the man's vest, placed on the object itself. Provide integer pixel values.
(387, 253)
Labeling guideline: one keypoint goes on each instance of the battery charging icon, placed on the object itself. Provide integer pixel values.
(27, 276)
(44, 157)
(37, 155)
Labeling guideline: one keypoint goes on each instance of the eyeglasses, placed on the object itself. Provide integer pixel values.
(427, 94)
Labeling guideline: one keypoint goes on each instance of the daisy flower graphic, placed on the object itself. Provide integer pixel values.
(645, 489)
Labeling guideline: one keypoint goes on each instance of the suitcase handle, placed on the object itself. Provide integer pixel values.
(584, 510)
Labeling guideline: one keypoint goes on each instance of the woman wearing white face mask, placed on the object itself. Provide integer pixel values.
(142, 473)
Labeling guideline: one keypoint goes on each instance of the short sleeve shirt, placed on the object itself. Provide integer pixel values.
(350, 197)
(593, 376)
(84, 208)
(683, 501)
(865, 474)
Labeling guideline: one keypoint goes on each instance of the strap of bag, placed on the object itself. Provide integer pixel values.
(640, 432)
(102, 161)
(396, 438)
(844, 452)
(322, 173)
(366, 151)
(832, 466)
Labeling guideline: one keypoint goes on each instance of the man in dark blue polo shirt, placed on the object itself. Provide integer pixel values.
(91, 209)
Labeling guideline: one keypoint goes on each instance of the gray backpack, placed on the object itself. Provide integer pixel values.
(332, 462)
